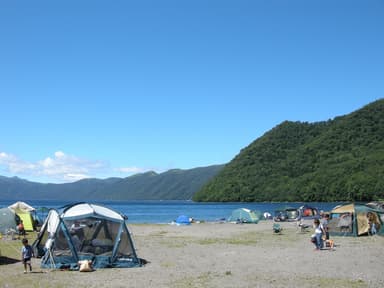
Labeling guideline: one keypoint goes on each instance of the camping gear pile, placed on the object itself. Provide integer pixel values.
(286, 214)
(304, 213)
(84, 231)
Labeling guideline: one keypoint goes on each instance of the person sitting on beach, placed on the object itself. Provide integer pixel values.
(76, 241)
(77, 229)
(20, 228)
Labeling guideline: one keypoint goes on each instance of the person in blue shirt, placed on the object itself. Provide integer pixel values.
(26, 255)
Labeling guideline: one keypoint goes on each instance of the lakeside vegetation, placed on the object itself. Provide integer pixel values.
(336, 160)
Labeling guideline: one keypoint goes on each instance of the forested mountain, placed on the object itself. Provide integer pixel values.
(336, 160)
(174, 184)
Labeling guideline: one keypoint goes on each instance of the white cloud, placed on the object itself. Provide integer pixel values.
(60, 167)
(135, 170)
(59, 154)
(13, 164)
(130, 170)
(75, 177)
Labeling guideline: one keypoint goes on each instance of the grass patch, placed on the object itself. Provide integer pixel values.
(209, 241)
(232, 241)
(252, 238)
(175, 242)
(158, 233)
(272, 280)
(21, 281)
(242, 241)
(326, 282)
(12, 248)
(167, 264)
(333, 282)
(202, 280)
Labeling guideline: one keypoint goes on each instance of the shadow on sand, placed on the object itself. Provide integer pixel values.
(5, 260)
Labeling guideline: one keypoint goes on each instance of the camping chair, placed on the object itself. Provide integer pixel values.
(302, 226)
(277, 228)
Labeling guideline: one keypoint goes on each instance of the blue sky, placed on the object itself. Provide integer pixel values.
(114, 88)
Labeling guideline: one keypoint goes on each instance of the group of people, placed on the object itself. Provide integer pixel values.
(321, 235)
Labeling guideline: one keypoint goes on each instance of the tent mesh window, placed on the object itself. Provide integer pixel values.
(96, 236)
(341, 223)
(125, 247)
(61, 246)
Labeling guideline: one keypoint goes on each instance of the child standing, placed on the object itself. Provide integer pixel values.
(26, 255)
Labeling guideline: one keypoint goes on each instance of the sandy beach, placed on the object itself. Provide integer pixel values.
(225, 255)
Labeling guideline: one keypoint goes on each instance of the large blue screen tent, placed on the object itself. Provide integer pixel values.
(85, 231)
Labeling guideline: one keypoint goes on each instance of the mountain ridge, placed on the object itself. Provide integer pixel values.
(168, 185)
(341, 159)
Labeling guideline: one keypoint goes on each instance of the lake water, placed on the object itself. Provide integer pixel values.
(167, 211)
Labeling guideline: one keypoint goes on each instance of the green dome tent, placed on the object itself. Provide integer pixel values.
(8, 220)
(244, 215)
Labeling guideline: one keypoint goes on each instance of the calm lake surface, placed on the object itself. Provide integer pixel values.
(167, 211)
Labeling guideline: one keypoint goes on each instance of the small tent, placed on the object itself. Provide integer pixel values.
(244, 215)
(8, 220)
(85, 231)
(183, 220)
(352, 220)
(25, 212)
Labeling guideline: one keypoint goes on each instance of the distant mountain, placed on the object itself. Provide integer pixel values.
(171, 185)
(336, 160)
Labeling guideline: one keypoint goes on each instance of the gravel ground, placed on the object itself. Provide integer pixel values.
(225, 255)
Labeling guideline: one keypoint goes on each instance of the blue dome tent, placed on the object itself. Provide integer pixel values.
(183, 220)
